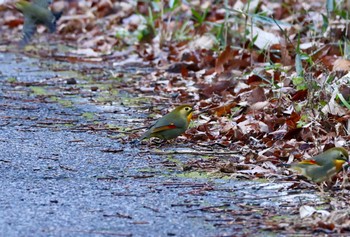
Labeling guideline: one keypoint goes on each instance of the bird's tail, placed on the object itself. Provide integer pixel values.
(52, 25)
(285, 165)
(57, 15)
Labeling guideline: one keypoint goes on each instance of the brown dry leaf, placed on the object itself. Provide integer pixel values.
(206, 41)
(293, 133)
(254, 79)
(224, 109)
(184, 72)
(328, 61)
(223, 58)
(286, 58)
(258, 106)
(104, 7)
(323, 225)
(307, 135)
(341, 65)
(228, 167)
(181, 67)
(226, 125)
(300, 95)
(257, 95)
(345, 91)
(208, 90)
(293, 120)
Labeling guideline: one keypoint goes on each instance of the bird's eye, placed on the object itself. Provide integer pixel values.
(187, 108)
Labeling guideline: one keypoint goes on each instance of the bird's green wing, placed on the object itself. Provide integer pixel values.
(43, 3)
(171, 120)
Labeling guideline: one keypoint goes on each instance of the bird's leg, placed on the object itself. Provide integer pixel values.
(135, 142)
(159, 142)
(321, 187)
(345, 178)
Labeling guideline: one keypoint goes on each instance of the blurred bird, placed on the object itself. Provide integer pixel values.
(36, 13)
(170, 125)
(323, 166)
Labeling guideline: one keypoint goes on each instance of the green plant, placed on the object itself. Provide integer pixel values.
(198, 17)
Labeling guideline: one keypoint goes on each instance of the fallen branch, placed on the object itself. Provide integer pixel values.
(191, 152)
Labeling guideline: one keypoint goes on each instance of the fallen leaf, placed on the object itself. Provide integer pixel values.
(223, 58)
(341, 65)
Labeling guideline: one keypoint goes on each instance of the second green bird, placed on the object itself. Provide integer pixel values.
(36, 13)
(323, 166)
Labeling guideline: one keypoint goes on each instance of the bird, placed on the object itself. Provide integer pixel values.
(324, 166)
(170, 125)
(36, 13)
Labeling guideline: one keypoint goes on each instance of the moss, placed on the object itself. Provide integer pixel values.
(12, 80)
(88, 115)
(194, 174)
(38, 90)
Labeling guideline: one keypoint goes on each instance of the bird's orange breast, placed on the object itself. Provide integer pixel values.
(189, 117)
(339, 164)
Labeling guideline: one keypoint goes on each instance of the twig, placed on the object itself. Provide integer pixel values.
(191, 152)
(208, 208)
